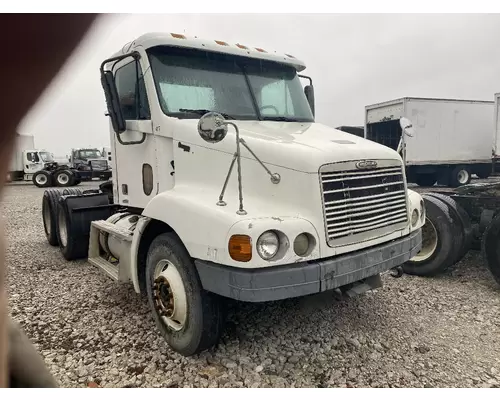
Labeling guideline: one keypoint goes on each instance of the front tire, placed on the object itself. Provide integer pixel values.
(189, 318)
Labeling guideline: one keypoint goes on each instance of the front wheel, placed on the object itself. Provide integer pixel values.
(189, 318)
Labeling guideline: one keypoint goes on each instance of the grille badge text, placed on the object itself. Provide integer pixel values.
(366, 164)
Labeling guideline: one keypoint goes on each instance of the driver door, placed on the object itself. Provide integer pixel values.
(135, 175)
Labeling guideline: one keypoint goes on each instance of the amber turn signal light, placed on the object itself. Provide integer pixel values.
(240, 248)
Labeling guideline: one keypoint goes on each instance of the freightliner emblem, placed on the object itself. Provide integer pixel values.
(366, 164)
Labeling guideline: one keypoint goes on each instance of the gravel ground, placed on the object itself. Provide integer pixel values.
(418, 332)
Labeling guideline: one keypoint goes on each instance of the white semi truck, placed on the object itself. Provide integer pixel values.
(454, 137)
(224, 186)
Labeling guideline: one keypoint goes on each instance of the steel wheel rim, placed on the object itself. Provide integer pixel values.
(63, 232)
(46, 220)
(169, 295)
(41, 179)
(62, 179)
(463, 176)
(429, 242)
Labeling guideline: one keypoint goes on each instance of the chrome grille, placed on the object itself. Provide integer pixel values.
(362, 204)
(99, 165)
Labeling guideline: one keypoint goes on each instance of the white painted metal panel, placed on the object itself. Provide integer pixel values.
(449, 131)
(385, 113)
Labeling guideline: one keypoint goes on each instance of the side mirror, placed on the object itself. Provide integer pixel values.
(212, 127)
(309, 92)
(112, 102)
(407, 127)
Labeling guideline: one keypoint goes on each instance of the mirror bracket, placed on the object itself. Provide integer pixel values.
(212, 127)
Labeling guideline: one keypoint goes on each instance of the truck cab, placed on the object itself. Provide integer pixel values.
(225, 186)
(34, 161)
(91, 160)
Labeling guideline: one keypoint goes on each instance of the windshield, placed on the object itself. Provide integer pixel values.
(189, 80)
(46, 157)
(90, 153)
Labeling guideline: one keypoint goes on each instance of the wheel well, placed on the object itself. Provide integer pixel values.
(153, 229)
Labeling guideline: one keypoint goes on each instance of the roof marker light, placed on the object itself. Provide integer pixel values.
(221, 43)
(178, 36)
(289, 55)
(260, 50)
(241, 46)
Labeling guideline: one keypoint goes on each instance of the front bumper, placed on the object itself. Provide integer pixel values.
(300, 279)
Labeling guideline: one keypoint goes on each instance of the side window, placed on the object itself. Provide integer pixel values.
(132, 92)
(32, 157)
(275, 99)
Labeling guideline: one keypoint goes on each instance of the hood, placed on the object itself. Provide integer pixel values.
(294, 145)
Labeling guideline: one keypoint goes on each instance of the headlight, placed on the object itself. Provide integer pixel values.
(268, 245)
(414, 217)
(301, 244)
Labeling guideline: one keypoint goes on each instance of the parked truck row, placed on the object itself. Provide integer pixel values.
(224, 186)
(41, 168)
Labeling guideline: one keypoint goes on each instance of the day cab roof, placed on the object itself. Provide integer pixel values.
(155, 39)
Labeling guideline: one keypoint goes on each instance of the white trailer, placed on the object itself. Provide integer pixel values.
(453, 138)
(224, 186)
(26, 159)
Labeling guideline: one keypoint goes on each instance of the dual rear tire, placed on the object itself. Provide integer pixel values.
(61, 178)
(50, 212)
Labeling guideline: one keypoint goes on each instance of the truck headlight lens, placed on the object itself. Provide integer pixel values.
(268, 245)
(414, 217)
(301, 245)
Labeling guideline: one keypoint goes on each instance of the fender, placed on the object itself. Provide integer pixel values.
(195, 218)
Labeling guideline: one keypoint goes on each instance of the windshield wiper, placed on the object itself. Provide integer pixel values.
(202, 112)
(280, 118)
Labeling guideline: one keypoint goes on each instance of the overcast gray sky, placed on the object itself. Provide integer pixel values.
(354, 60)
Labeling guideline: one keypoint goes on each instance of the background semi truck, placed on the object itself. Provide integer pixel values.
(41, 168)
(91, 163)
(454, 137)
(224, 186)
